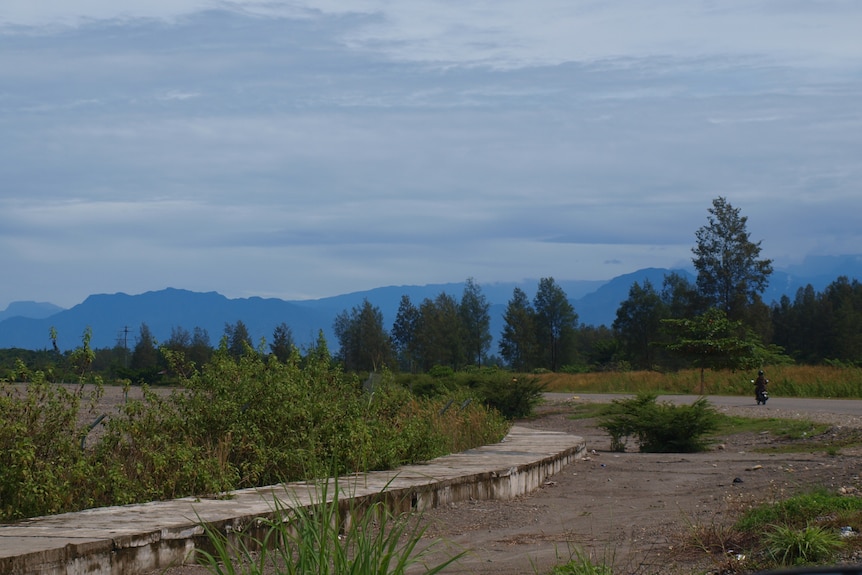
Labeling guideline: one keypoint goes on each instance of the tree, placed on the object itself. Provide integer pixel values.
(843, 300)
(712, 341)
(200, 350)
(365, 343)
(404, 333)
(518, 345)
(439, 339)
(473, 309)
(729, 274)
(555, 323)
(282, 345)
(638, 325)
(237, 339)
(180, 339)
(680, 297)
(145, 356)
(318, 354)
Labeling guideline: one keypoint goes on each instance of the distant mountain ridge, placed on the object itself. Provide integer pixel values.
(31, 309)
(116, 317)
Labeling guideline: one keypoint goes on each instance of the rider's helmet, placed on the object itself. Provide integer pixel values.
(760, 372)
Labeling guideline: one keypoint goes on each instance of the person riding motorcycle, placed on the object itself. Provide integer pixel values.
(760, 393)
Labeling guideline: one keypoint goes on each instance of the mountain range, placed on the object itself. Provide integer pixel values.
(117, 318)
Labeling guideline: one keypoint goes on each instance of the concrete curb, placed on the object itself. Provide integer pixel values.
(138, 538)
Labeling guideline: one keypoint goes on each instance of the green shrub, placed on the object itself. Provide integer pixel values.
(237, 423)
(42, 467)
(659, 427)
(514, 396)
(811, 544)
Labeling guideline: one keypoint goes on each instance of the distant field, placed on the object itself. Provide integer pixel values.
(788, 381)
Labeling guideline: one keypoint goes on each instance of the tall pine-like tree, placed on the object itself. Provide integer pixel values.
(730, 274)
(476, 320)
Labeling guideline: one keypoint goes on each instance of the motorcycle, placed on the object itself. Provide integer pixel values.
(760, 393)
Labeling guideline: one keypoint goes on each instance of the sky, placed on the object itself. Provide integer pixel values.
(300, 150)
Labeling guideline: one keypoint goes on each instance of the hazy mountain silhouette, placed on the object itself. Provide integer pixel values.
(31, 309)
(118, 317)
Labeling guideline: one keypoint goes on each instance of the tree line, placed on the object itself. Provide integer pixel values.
(718, 320)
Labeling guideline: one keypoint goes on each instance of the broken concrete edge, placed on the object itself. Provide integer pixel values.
(126, 554)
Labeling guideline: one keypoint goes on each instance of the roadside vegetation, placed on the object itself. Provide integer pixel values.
(822, 381)
(813, 527)
(236, 423)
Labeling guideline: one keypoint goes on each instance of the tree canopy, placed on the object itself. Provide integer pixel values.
(730, 274)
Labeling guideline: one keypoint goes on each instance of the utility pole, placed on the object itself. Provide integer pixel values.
(124, 335)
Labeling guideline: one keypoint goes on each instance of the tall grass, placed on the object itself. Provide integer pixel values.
(331, 536)
(785, 381)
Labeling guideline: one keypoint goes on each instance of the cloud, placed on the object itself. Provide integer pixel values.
(317, 148)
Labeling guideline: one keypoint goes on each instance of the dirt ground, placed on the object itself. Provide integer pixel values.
(631, 509)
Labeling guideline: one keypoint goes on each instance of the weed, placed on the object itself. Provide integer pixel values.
(811, 544)
(322, 539)
(580, 562)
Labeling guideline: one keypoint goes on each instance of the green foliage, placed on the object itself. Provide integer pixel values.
(659, 427)
(582, 565)
(822, 327)
(512, 396)
(238, 422)
(365, 344)
(324, 539)
(556, 320)
(476, 322)
(798, 511)
(729, 274)
(518, 344)
(638, 325)
(809, 545)
(41, 463)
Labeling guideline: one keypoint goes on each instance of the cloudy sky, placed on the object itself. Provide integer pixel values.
(301, 149)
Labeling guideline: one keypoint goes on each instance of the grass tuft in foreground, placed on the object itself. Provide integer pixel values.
(323, 539)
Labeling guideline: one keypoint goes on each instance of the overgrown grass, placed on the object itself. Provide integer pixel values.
(331, 536)
(789, 429)
(785, 381)
(819, 505)
(582, 563)
(803, 529)
(808, 545)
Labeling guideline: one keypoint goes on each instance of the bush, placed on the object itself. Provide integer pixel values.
(513, 396)
(659, 427)
(811, 544)
(42, 466)
(238, 423)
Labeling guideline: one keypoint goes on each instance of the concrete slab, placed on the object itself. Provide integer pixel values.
(136, 538)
